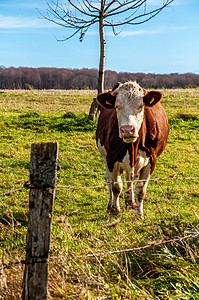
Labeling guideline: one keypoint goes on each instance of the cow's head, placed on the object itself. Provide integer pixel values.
(129, 100)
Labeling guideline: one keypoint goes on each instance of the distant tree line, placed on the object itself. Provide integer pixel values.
(54, 78)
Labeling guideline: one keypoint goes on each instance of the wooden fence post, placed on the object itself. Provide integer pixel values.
(93, 110)
(43, 178)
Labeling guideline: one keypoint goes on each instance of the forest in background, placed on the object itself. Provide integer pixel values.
(61, 78)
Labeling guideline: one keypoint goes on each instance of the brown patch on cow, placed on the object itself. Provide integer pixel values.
(154, 132)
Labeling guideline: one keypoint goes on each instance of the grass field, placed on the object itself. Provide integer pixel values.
(81, 225)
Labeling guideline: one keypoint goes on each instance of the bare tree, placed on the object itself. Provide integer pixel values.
(80, 15)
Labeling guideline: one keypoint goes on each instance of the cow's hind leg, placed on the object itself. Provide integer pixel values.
(140, 189)
(114, 182)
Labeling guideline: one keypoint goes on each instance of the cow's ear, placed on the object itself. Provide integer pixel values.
(107, 99)
(152, 97)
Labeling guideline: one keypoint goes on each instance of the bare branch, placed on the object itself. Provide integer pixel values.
(90, 7)
(127, 3)
(110, 4)
(131, 21)
(80, 10)
(113, 28)
(137, 6)
(61, 17)
(65, 18)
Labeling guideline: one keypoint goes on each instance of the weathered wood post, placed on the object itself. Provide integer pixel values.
(93, 110)
(43, 178)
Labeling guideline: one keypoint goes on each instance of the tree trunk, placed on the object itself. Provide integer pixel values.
(102, 54)
(94, 105)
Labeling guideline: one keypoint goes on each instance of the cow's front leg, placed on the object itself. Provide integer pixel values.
(115, 188)
(140, 189)
(129, 201)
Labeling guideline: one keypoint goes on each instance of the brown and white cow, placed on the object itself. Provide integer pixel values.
(132, 132)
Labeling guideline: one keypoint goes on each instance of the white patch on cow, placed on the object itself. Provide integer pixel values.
(102, 150)
(142, 171)
(126, 165)
(130, 107)
(142, 161)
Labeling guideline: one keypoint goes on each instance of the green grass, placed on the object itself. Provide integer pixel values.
(167, 271)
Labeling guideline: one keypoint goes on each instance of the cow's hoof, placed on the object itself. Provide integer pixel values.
(130, 205)
(138, 216)
(113, 210)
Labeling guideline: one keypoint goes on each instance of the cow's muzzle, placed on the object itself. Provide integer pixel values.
(128, 134)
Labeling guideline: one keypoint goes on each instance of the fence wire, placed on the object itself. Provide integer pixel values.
(170, 177)
(152, 244)
(127, 181)
(193, 235)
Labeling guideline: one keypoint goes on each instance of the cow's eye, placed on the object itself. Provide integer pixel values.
(118, 107)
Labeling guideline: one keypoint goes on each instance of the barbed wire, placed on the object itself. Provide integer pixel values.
(152, 244)
(96, 254)
(83, 187)
(197, 151)
(128, 181)
(170, 177)
(149, 245)
(11, 191)
(11, 264)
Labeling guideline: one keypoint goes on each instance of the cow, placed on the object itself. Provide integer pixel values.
(132, 132)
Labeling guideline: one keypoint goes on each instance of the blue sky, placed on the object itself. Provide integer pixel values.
(169, 43)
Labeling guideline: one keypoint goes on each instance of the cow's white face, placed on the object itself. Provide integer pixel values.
(129, 106)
